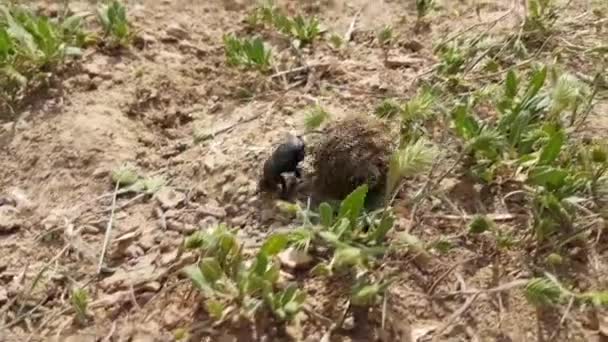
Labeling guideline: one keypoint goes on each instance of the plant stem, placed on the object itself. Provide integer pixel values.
(108, 229)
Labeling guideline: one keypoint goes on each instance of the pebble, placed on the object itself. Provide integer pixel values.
(8, 220)
(208, 222)
(294, 258)
(3, 295)
(239, 221)
(211, 210)
(169, 198)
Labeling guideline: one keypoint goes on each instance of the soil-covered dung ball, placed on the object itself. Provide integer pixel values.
(353, 151)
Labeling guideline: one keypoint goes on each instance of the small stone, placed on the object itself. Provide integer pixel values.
(239, 221)
(227, 192)
(211, 210)
(152, 286)
(232, 210)
(134, 251)
(169, 198)
(294, 258)
(3, 295)
(146, 241)
(208, 222)
(21, 199)
(148, 38)
(8, 220)
(91, 230)
(177, 31)
(403, 62)
(123, 279)
(268, 215)
(169, 257)
(171, 317)
(95, 83)
(101, 172)
(175, 225)
(97, 67)
(188, 228)
(413, 45)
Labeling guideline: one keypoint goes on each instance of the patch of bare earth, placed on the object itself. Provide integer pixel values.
(144, 106)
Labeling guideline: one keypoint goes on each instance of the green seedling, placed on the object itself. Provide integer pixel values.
(315, 117)
(336, 41)
(248, 53)
(411, 160)
(387, 109)
(385, 36)
(80, 301)
(116, 26)
(302, 29)
(232, 285)
(31, 47)
(423, 7)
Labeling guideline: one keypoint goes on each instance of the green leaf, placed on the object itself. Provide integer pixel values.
(13, 74)
(260, 265)
(198, 279)
(536, 82)
(275, 244)
(547, 176)
(385, 225)
(409, 161)
(465, 124)
(211, 269)
(321, 269)
(315, 118)
(341, 227)
(480, 224)
(543, 292)
(288, 208)
(347, 257)
(388, 108)
(511, 85)
(196, 240)
(301, 238)
(552, 148)
(330, 237)
(597, 298)
(365, 295)
(352, 205)
(124, 175)
(215, 308)
(326, 214)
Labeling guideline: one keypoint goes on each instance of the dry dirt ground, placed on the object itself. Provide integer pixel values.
(144, 106)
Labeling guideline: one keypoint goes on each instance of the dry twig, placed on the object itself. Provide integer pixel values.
(108, 230)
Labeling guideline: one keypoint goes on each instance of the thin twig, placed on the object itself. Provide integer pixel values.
(108, 337)
(351, 28)
(446, 273)
(470, 28)
(108, 230)
(450, 320)
(311, 312)
(337, 325)
(562, 320)
(127, 203)
(500, 288)
(493, 217)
